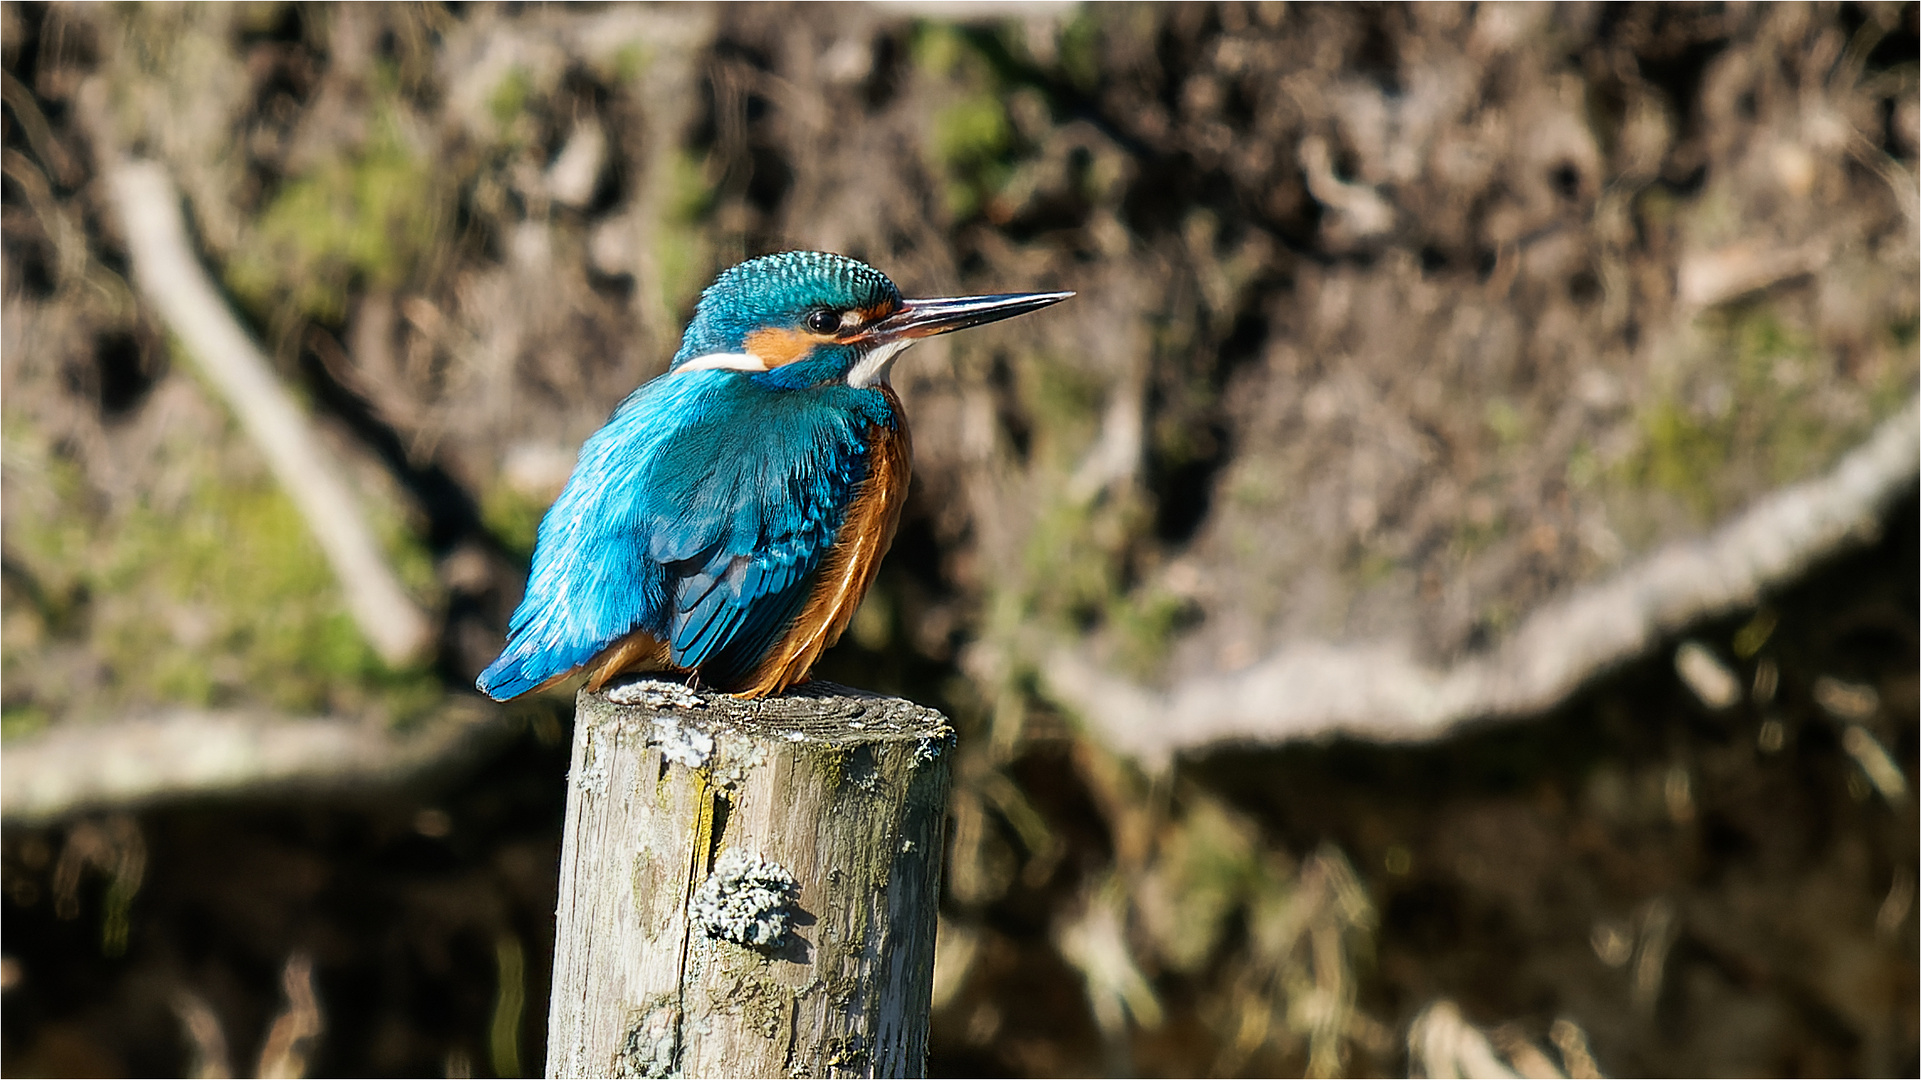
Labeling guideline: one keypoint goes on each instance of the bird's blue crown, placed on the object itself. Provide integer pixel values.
(780, 291)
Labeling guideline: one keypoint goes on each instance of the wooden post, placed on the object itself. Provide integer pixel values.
(748, 888)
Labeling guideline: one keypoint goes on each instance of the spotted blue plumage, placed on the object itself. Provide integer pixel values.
(701, 512)
(771, 289)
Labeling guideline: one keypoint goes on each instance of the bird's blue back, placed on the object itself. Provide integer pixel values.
(695, 515)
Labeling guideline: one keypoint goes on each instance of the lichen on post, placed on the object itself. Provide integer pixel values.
(748, 888)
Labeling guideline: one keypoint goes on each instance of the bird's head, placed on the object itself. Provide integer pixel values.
(804, 318)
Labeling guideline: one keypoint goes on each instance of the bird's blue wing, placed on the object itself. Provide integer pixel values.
(728, 611)
(697, 515)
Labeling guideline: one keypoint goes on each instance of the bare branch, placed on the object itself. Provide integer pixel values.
(1380, 691)
(72, 767)
(168, 275)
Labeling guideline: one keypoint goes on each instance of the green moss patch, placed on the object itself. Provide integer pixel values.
(368, 218)
(211, 595)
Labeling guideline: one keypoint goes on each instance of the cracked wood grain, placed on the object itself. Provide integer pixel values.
(845, 792)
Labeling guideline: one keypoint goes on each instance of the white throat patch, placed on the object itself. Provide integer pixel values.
(875, 365)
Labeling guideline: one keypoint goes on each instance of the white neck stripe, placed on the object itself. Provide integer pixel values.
(869, 370)
(725, 361)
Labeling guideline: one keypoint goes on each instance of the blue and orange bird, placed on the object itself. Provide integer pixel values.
(729, 517)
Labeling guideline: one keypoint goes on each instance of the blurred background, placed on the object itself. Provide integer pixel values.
(1443, 598)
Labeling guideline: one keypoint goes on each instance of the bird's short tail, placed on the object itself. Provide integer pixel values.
(514, 673)
(510, 676)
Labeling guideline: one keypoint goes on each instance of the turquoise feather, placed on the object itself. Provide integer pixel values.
(701, 512)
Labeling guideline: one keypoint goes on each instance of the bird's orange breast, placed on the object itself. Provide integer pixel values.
(850, 565)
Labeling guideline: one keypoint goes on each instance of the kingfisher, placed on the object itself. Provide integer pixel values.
(727, 520)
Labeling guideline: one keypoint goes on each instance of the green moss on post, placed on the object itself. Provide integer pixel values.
(748, 888)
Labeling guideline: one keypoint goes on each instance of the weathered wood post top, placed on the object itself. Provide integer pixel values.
(748, 888)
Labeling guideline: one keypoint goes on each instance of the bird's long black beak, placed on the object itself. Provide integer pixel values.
(925, 318)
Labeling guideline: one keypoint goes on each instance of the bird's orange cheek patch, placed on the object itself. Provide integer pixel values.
(776, 345)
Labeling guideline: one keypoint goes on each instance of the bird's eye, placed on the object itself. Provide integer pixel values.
(823, 321)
